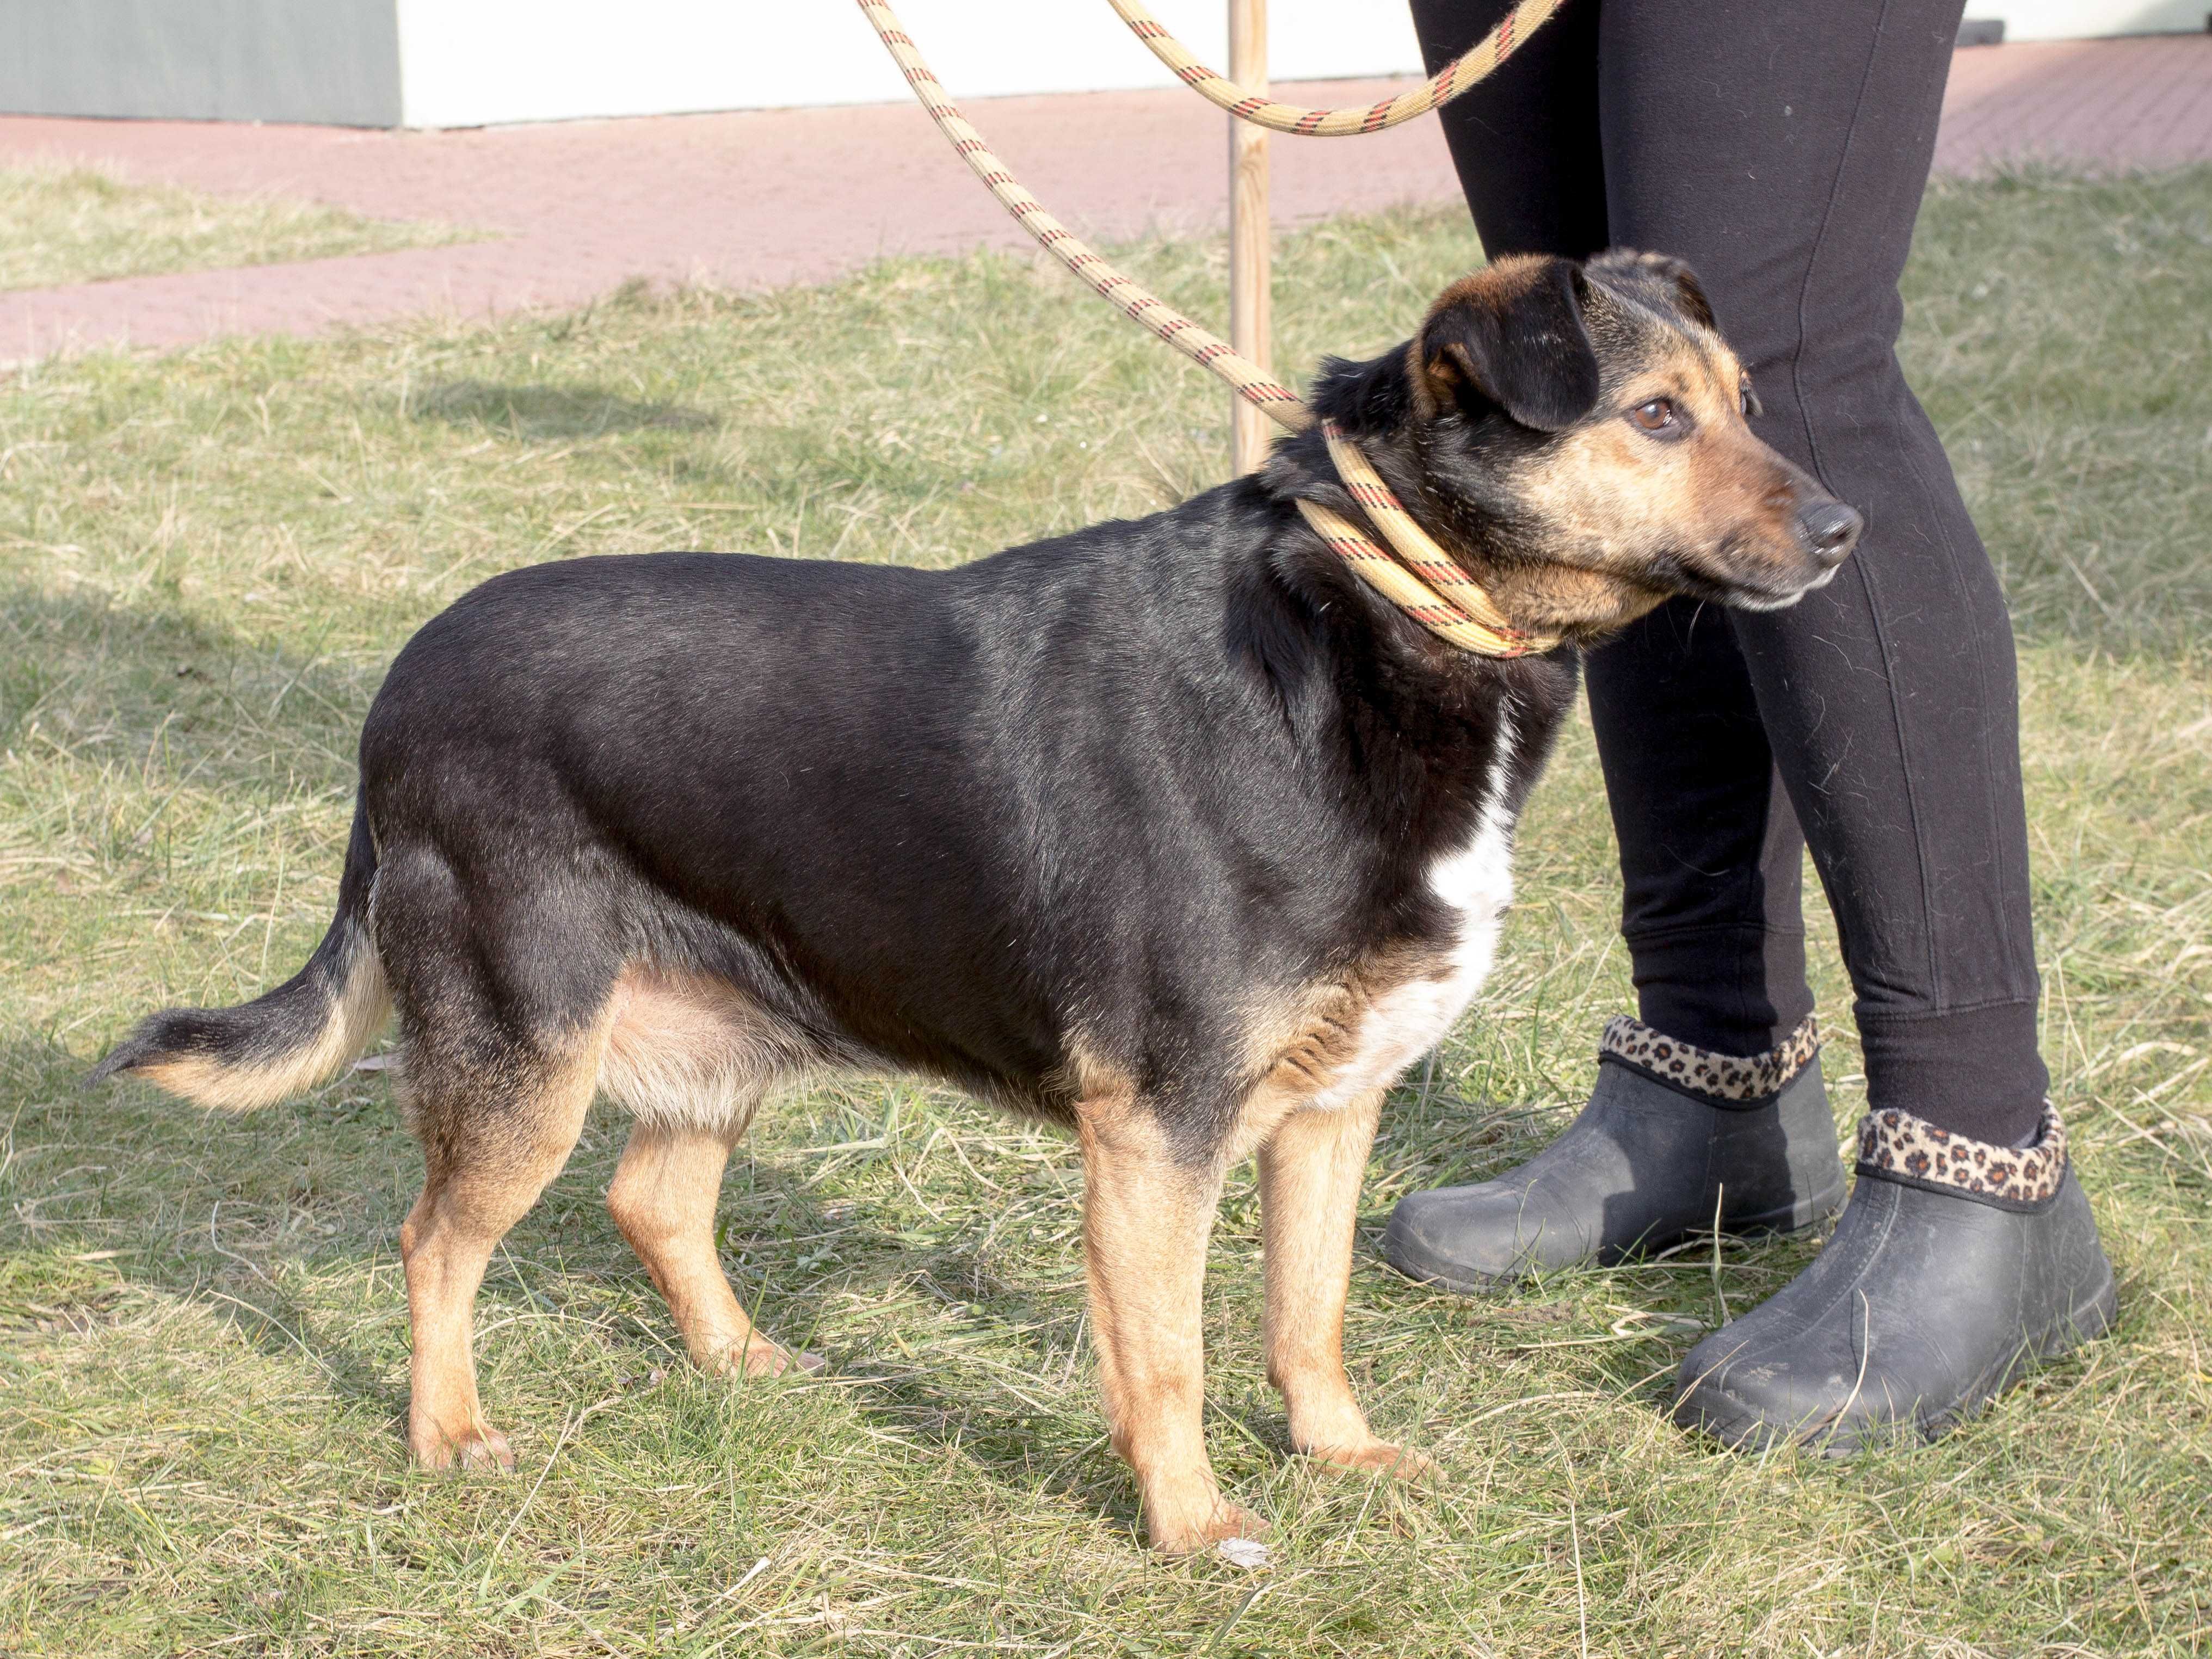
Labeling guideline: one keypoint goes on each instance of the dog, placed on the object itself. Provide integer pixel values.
(1169, 832)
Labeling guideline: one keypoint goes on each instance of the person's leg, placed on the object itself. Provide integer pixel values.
(1711, 852)
(1783, 151)
(1712, 858)
(1677, 1130)
(1525, 143)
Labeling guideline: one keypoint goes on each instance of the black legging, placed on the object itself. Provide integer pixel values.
(1781, 147)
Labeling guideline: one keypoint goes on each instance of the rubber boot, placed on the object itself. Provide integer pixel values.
(1957, 1265)
(1674, 1139)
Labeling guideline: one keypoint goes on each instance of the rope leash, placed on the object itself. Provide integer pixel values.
(1252, 383)
(1461, 613)
(1456, 77)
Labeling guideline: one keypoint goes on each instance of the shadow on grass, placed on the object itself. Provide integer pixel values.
(546, 413)
(120, 1187)
(119, 682)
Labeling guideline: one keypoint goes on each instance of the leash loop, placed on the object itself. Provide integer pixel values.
(1422, 580)
(1446, 84)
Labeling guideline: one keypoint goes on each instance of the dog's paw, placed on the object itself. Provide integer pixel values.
(1199, 1529)
(480, 1448)
(761, 1357)
(1377, 1457)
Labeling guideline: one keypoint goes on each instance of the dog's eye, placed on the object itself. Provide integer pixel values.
(1751, 404)
(1657, 415)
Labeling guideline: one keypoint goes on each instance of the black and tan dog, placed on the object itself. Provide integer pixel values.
(1169, 832)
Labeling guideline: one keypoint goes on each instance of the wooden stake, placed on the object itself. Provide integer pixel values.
(1251, 322)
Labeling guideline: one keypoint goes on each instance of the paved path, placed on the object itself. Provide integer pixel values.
(766, 198)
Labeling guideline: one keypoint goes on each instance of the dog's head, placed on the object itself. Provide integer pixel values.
(1578, 435)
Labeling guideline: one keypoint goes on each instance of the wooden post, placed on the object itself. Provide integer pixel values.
(1249, 319)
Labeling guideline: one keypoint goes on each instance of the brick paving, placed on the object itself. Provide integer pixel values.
(760, 199)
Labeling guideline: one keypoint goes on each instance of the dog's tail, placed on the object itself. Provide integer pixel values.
(291, 1038)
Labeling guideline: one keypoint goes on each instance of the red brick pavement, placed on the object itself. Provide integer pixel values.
(765, 197)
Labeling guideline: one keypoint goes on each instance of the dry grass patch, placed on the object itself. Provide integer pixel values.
(70, 224)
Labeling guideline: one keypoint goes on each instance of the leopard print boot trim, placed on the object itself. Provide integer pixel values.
(1895, 1145)
(1744, 1081)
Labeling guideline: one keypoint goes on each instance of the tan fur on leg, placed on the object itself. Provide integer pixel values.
(486, 1161)
(1309, 1175)
(663, 1199)
(1145, 1224)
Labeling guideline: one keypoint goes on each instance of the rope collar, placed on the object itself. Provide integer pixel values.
(1423, 580)
(1416, 575)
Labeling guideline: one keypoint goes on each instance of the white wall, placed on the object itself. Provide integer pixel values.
(2073, 19)
(467, 63)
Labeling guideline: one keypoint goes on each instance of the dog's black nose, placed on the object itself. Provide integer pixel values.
(1829, 531)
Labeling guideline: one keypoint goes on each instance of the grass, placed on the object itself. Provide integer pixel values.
(208, 558)
(80, 224)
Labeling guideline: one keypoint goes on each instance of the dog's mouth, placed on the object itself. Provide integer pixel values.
(1746, 600)
(1739, 579)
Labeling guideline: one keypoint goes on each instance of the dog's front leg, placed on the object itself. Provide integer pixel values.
(1309, 1175)
(1145, 1218)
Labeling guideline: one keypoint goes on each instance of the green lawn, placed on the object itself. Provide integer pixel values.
(78, 224)
(208, 560)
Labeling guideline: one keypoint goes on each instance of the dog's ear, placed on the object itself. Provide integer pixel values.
(1660, 276)
(1513, 335)
(1689, 293)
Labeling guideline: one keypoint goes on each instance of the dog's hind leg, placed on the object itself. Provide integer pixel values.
(492, 1137)
(692, 1057)
(1309, 1175)
(1145, 1218)
(663, 1199)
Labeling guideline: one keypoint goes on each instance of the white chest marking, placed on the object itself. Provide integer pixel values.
(1475, 880)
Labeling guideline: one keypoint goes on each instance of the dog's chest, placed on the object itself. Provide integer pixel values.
(1473, 882)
